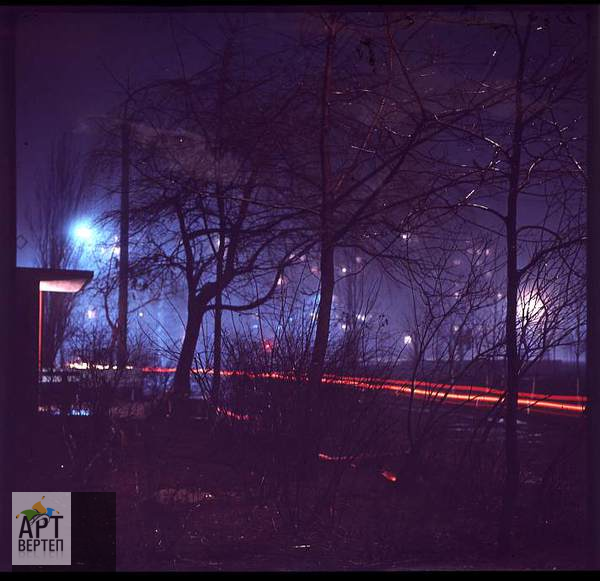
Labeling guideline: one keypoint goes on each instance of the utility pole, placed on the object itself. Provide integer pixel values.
(122, 355)
(593, 294)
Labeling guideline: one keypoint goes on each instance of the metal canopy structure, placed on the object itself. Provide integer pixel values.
(56, 280)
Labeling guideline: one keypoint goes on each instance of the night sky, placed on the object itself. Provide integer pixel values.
(69, 65)
(65, 68)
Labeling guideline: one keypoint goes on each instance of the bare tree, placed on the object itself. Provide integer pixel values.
(369, 145)
(205, 204)
(533, 143)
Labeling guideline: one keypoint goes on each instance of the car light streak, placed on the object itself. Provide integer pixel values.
(233, 415)
(350, 458)
(447, 393)
(389, 475)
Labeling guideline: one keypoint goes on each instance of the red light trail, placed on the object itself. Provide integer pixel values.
(472, 395)
(452, 394)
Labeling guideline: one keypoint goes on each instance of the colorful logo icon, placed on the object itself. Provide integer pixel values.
(42, 536)
(37, 511)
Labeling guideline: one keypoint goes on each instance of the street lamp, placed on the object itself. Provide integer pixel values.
(83, 232)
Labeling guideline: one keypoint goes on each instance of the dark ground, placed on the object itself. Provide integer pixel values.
(191, 498)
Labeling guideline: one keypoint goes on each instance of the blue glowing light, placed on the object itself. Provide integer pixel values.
(83, 232)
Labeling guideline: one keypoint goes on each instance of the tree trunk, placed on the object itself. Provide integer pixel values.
(181, 382)
(217, 338)
(314, 401)
(327, 259)
(319, 353)
(327, 248)
(122, 355)
(511, 484)
(220, 254)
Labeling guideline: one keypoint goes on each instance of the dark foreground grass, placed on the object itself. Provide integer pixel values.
(194, 498)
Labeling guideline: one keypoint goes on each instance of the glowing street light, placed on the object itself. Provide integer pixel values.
(530, 306)
(83, 232)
